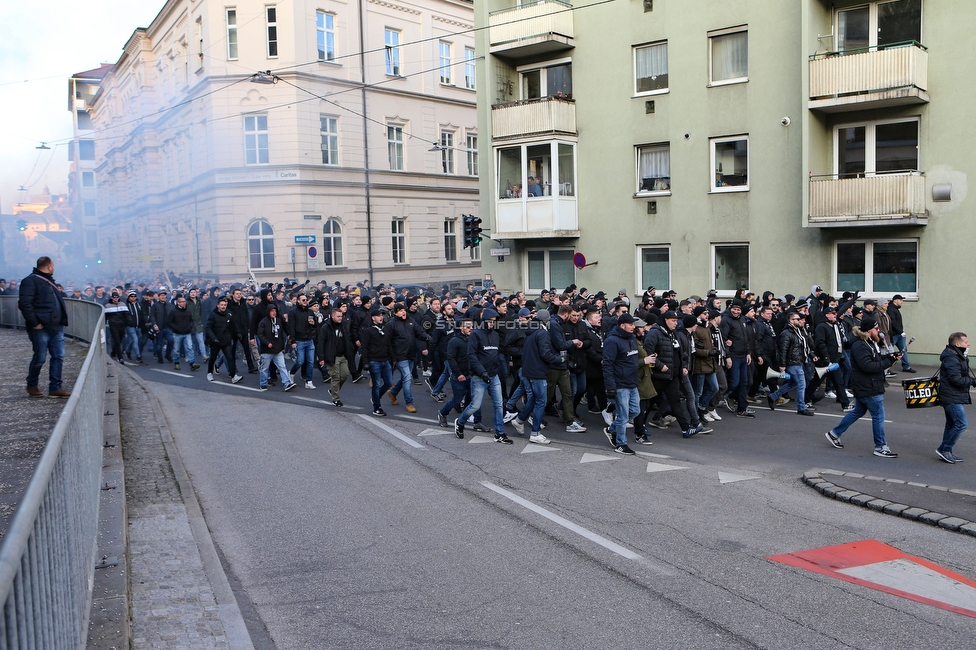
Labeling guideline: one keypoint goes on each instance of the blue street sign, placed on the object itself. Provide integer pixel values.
(304, 239)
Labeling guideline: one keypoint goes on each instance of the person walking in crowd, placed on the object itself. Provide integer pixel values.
(795, 350)
(404, 335)
(620, 365)
(456, 360)
(378, 349)
(302, 331)
(159, 317)
(180, 323)
(271, 333)
(955, 382)
(45, 316)
(898, 337)
(483, 362)
(116, 317)
(538, 358)
(220, 333)
(335, 350)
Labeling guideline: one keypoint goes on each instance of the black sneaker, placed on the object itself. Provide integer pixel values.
(624, 449)
(884, 452)
(946, 456)
(263, 388)
(356, 379)
(730, 404)
(194, 366)
(956, 458)
(459, 428)
(771, 402)
(746, 414)
(439, 398)
(692, 431)
(251, 371)
(480, 428)
(643, 440)
(910, 371)
(658, 423)
(806, 412)
(176, 366)
(337, 402)
(502, 438)
(609, 434)
(442, 420)
(834, 440)
(379, 412)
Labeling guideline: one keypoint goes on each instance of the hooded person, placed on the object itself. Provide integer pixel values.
(271, 333)
(484, 359)
(955, 382)
(220, 333)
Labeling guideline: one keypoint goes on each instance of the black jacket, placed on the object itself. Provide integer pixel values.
(537, 354)
(594, 354)
(159, 313)
(180, 321)
(560, 344)
(145, 310)
(825, 342)
(404, 335)
(894, 315)
(377, 345)
(794, 347)
(299, 327)
(271, 333)
(457, 355)
(238, 310)
(332, 336)
(40, 301)
(621, 360)
(483, 352)
(765, 341)
(662, 342)
(955, 378)
(734, 329)
(576, 357)
(220, 329)
(868, 365)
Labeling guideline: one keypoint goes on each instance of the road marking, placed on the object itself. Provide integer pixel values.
(661, 467)
(477, 440)
(565, 523)
(393, 432)
(871, 564)
(256, 390)
(533, 448)
(826, 415)
(647, 453)
(171, 372)
(434, 432)
(327, 403)
(726, 477)
(596, 458)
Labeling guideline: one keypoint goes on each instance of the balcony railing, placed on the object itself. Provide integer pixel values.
(869, 78)
(529, 29)
(883, 200)
(533, 116)
(536, 217)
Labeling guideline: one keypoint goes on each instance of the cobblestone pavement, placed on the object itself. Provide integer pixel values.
(172, 601)
(26, 423)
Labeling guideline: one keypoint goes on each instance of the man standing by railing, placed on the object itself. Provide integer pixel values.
(46, 316)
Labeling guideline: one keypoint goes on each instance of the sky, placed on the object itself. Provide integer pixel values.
(41, 45)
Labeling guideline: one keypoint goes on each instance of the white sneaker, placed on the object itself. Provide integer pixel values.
(575, 427)
(509, 416)
(830, 395)
(668, 419)
(309, 384)
(539, 439)
(607, 417)
(519, 426)
(426, 373)
(209, 376)
(236, 378)
(715, 416)
(630, 425)
(708, 417)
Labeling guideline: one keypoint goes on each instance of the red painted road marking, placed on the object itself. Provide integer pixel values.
(870, 563)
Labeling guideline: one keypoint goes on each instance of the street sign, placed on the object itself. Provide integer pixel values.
(579, 260)
(304, 239)
(291, 255)
(500, 252)
(312, 252)
(157, 258)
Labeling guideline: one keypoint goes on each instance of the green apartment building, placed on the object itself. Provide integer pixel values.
(758, 144)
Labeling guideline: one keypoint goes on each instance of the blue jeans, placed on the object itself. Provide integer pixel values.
(862, 405)
(901, 343)
(459, 389)
(535, 402)
(279, 361)
(201, 346)
(183, 341)
(405, 382)
(478, 390)
(442, 380)
(164, 337)
(132, 342)
(704, 397)
(518, 392)
(739, 382)
(798, 380)
(304, 359)
(577, 384)
(627, 407)
(956, 423)
(382, 375)
(46, 340)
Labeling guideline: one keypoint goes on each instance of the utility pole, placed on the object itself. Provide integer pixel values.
(362, 74)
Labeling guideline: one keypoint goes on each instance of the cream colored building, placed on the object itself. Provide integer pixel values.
(205, 168)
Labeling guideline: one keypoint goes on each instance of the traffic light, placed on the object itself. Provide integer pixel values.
(472, 231)
(21, 225)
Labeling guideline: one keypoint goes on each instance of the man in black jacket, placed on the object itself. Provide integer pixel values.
(180, 323)
(955, 381)
(620, 365)
(271, 333)
(733, 329)
(220, 333)
(456, 365)
(378, 350)
(483, 362)
(238, 310)
(537, 358)
(159, 317)
(46, 317)
(336, 350)
(405, 335)
(794, 352)
(828, 341)
(898, 338)
(302, 326)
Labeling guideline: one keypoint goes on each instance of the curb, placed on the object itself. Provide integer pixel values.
(815, 479)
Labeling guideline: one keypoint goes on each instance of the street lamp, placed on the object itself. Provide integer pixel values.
(43, 145)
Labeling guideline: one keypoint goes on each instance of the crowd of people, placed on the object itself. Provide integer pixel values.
(641, 363)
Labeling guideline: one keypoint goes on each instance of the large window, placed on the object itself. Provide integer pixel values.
(654, 169)
(878, 25)
(325, 35)
(88, 179)
(876, 147)
(447, 152)
(392, 41)
(650, 68)
(329, 129)
(730, 267)
(86, 149)
(541, 176)
(332, 243)
(729, 56)
(730, 164)
(469, 68)
(399, 229)
(877, 267)
(256, 139)
(471, 152)
(90, 208)
(444, 55)
(271, 13)
(394, 140)
(450, 240)
(550, 268)
(260, 245)
(550, 81)
(232, 34)
(655, 267)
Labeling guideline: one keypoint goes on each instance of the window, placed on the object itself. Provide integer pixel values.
(655, 267)
(332, 243)
(89, 208)
(730, 164)
(651, 68)
(86, 149)
(91, 239)
(730, 267)
(729, 56)
(551, 81)
(654, 169)
(232, 34)
(399, 229)
(329, 129)
(260, 245)
(444, 52)
(325, 35)
(85, 121)
(394, 139)
(510, 173)
(88, 179)
(475, 252)
(271, 14)
(541, 176)
(879, 24)
(876, 147)
(469, 68)
(447, 152)
(450, 240)
(256, 139)
(392, 40)
(472, 154)
(550, 268)
(877, 267)
(199, 30)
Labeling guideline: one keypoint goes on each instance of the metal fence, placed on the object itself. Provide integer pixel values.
(47, 557)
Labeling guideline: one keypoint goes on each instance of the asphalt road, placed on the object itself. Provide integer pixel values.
(346, 531)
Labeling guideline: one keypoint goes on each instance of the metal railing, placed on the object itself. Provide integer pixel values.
(47, 556)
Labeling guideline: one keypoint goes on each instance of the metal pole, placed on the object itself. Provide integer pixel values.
(362, 73)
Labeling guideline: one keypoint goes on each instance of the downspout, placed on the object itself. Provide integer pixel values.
(362, 73)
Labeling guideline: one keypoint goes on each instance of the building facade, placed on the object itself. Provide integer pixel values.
(756, 144)
(363, 136)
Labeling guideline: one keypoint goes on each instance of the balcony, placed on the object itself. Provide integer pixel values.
(536, 217)
(547, 115)
(879, 200)
(873, 78)
(531, 29)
